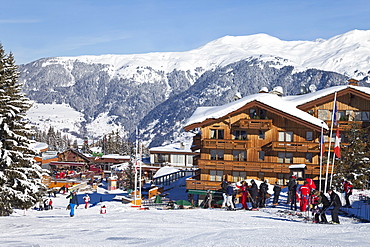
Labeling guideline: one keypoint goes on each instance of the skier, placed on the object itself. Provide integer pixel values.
(244, 188)
(320, 212)
(86, 200)
(334, 201)
(305, 192)
(263, 192)
(277, 190)
(292, 190)
(224, 185)
(253, 192)
(73, 201)
(103, 210)
(348, 188)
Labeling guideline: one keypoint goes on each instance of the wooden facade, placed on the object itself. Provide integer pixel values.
(258, 141)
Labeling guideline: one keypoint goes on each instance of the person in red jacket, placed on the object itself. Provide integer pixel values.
(311, 183)
(348, 188)
(305, 191)
(244, 190)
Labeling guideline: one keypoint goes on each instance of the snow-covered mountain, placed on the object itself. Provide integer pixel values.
(155, 90)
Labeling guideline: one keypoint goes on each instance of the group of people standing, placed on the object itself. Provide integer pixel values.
(317, 201)
(310, 199)
(253, 193)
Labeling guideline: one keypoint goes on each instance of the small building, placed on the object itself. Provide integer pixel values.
(178, 155)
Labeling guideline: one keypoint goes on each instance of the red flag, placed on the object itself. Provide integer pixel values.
(337, 144)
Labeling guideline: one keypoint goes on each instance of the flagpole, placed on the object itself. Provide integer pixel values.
(135, 189)
(321, 152)
(331, 132)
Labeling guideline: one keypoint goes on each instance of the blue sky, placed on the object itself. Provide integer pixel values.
(34, 29)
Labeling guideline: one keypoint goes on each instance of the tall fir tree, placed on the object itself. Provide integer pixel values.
(20, 177)
(354, 165)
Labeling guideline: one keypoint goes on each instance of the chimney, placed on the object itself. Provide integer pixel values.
(353, 82)
(264, 90)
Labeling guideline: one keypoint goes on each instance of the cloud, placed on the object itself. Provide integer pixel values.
(16, 21)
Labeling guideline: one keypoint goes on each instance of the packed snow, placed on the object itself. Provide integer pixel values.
(123, 225)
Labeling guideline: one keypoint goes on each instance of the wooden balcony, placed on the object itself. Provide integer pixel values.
(192, 184)
(255, 123)
(226, 144)
(346, 125)
(295, 147)
(229, 165)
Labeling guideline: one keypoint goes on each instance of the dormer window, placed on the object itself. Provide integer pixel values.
(217, 134)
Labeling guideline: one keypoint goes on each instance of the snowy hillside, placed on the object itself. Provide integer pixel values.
(343, 54)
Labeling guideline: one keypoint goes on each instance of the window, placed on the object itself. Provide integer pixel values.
(239, 176)
(215, 175)
(324, 114)
(263, 114)
(309, 136)
(240, 135)
(261, 155)
(239, 155)
(285, 136)
(217, 134)
(261, 176)
(309, 157)
(252, 113)
(189, 159)
(178, 159)
(285, 157)
(362, 116)
(217, 155)
(261, 134)
(161, 158)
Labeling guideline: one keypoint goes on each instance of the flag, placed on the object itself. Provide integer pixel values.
(322, 143)
(335, 112)
(337, 144)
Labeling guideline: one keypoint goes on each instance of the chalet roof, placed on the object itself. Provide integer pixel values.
(298, 100)
(274, 101)
(173, 148)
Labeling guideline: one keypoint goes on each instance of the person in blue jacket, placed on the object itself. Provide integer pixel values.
(73, 202)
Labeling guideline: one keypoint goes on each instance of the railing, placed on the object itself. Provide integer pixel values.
(172, 177)
(346, 125)
(250, 166)
(226, 144)
(295, 146)
(255, 123)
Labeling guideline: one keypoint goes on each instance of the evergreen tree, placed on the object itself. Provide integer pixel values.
(20, 176)
(355, 165)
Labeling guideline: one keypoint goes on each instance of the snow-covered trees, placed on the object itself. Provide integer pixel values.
(355, 164)
(20, 176)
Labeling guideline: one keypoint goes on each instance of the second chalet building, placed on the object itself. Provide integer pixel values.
(269, 136)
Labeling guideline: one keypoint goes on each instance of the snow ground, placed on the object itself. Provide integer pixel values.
(123, 225)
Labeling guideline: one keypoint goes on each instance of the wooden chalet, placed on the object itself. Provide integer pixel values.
(267, 136)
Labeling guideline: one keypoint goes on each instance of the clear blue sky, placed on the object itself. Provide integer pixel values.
(34, 29)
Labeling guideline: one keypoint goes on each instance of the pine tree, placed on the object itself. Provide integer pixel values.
(20, 176)
(355, 165)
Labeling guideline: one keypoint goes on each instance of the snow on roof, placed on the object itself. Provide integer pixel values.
(272, 100)
(116, 156)
(38, 146)
(302, 99)
(164, 171)
(174, 147)
(297, 166)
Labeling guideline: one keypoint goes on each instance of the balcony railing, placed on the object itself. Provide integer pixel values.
(251, 166)
(255, 123)
(226, 144)
(295, 147)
